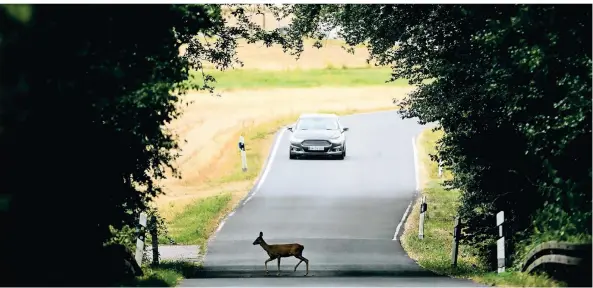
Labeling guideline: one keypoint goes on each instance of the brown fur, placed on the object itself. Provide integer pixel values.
(278, 251)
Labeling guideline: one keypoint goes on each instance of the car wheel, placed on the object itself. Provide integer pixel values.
(292, 156)
(342, 156)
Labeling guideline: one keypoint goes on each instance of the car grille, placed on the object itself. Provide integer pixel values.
(316, 143)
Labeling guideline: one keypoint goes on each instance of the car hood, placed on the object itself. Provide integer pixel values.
(316, 134)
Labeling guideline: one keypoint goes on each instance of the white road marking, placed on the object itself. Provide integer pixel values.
(220, 226)
(401, 222)
(416, 174)
(268, 165)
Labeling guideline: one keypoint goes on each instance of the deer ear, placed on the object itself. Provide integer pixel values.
(261, 234)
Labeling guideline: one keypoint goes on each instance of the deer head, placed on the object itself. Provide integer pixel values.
(259, 239)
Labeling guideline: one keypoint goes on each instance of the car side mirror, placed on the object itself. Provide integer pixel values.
(289, 128)
(345, 129)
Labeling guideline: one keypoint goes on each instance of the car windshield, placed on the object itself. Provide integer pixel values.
(317, 123)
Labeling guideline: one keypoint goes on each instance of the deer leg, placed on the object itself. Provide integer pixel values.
(306, 262)
(266, 263)
(278, 274)
(295, 267)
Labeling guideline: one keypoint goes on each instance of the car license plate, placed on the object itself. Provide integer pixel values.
(316, 148)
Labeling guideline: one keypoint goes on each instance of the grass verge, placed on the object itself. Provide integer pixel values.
(434, 251)
(167, 274)
(196, 223)
(331, 76)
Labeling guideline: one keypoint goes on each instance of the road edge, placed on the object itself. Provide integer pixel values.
(256, 185)
(263, 173)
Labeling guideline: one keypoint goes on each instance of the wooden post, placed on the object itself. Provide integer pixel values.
(440, 168)
(423, 207)
(456, 235)
(155, 242)
(500, 247)
(140, 239)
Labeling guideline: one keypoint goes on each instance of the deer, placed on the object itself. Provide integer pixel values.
(278, 251)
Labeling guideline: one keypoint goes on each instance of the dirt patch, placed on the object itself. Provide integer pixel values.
(211, 125)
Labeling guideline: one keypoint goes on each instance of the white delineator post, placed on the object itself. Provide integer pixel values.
(440, 168)
(500, 253)
(423, 207)
(140, 239)
(243, 155)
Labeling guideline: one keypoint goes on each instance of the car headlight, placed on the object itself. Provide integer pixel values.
(338, 139)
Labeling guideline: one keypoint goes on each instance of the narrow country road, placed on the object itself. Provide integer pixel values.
(345, 213)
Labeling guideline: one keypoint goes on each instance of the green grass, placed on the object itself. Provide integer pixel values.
(254, 79)
(195, 224)
(167, 274)
(255, 137)
(434, 251)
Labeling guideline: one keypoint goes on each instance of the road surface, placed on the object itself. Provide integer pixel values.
(345, 213)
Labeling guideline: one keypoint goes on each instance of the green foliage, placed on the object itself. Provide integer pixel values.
(85, 91)
(167, 274)
(127, 234)
(511, 90)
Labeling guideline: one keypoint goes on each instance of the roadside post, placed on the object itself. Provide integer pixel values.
(456, 235)
(500, 253)
(243, 155)
(155, 242)
(140, 238)
(423, 207)
(440, 168)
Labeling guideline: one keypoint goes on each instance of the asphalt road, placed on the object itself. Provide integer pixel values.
(345, 213)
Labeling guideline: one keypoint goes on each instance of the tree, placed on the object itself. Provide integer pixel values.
(85, 93)
(512, 91)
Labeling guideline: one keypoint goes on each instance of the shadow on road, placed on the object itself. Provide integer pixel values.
(318, 158)
(288, 273)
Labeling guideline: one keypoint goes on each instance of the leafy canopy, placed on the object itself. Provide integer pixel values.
(85, 94)
(511, 90)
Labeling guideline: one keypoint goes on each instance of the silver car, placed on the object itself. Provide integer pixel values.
(318, 135)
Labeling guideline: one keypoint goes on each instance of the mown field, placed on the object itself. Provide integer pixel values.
(299, 78)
